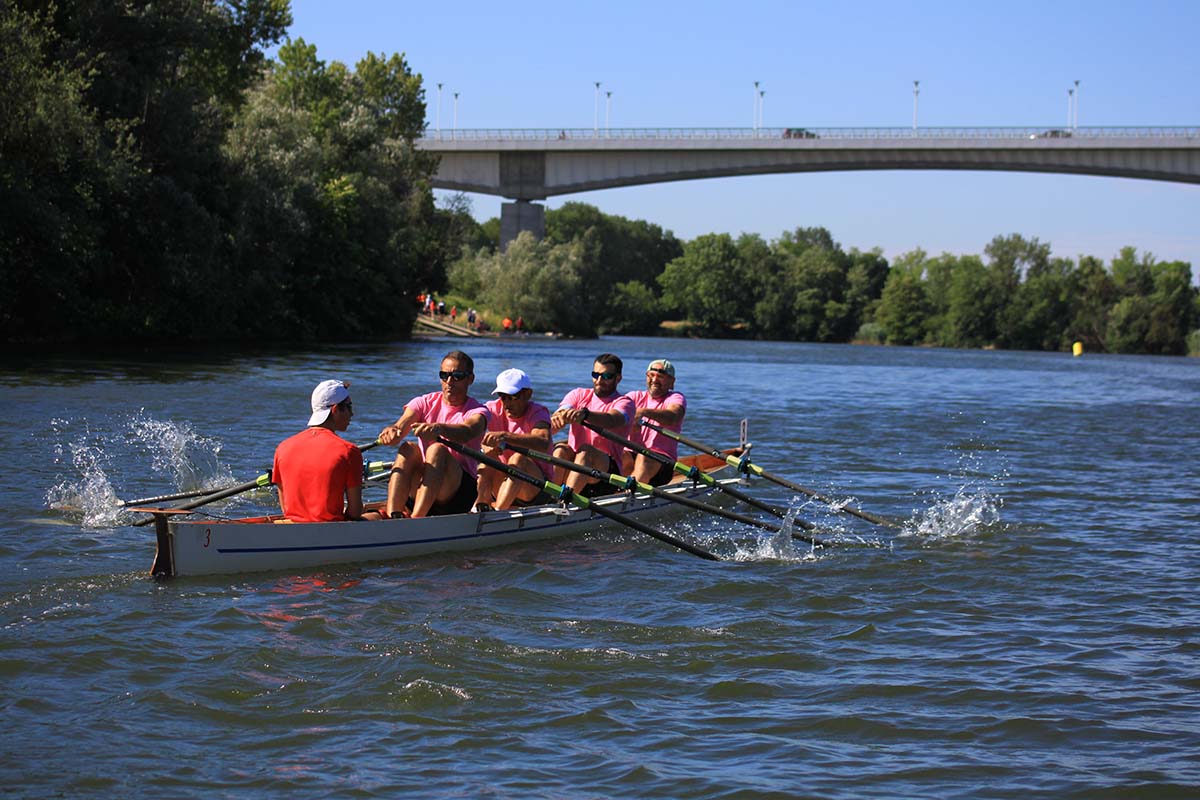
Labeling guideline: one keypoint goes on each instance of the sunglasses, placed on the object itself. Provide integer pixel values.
(650, 372)
(457, 375)
(608, 376)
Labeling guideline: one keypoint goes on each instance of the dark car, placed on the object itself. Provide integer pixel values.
(1053, 133)
(798, 133)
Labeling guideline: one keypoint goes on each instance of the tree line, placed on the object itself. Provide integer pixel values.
(601, 272)
(164, 181)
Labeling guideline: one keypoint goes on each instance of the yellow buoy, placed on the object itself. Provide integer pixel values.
(1077, 349)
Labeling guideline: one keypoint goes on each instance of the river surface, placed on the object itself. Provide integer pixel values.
(1031, 630)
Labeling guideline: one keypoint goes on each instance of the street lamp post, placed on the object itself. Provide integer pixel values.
(439, 112)
(455, 129)
(607, 111)
(754, 124)
(596, 115)
(916, 91)
(762, 100)
(1076, 121)
(1070, 107)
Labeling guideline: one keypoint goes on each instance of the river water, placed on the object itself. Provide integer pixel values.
(1032, 630)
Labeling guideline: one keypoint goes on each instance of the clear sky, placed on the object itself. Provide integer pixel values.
(693, 64)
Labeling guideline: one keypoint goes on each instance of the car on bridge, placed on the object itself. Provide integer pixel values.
(1053, 133)
(798, 133)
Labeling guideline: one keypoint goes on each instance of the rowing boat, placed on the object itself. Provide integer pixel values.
(255, 544)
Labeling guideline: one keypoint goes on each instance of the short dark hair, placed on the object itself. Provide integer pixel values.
(610, 360)
(464, 360)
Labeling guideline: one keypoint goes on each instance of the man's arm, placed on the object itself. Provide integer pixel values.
(474, 426)
(537, 439)
(354, 503)
(394, 433)
(667, 415)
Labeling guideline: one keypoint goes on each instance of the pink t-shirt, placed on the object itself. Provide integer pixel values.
(432, 407)
(579, 436)
(536, 415)
(659, 442)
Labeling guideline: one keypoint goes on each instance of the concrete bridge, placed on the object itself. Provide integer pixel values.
(529, 165)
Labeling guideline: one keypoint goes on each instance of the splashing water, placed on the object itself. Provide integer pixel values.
(960, 517)
(975, 505)
(92, 493)
(779, 546)
(190, 460)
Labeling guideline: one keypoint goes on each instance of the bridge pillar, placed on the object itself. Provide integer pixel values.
(521, 216)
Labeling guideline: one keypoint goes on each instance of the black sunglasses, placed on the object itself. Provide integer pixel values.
(608, 376)
(457, 375)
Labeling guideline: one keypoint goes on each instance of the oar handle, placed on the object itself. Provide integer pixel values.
(566, 494)
(695, 474)
(616, 480)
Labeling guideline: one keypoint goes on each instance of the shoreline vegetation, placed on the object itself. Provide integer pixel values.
(165, 184)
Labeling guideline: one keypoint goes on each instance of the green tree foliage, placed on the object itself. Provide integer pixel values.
(1024, 298)
(162, 181)
(335, 213)
(634, 309)
(539, 281)
(903, 308)
(708, 284)
(624, 250)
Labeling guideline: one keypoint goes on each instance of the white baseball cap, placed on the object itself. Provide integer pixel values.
(327, 395)
(512, 381)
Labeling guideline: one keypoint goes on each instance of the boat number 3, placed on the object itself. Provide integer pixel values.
(207, 536)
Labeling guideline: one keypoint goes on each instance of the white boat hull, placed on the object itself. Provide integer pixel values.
(207, 547)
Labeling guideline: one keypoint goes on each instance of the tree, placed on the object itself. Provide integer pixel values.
(334, 209)
(625, 250)
(903, 307)
(539, 281)
(707, 284)
(635, 309)
(1040, 315)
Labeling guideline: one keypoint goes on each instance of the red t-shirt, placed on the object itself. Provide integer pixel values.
(313, 470)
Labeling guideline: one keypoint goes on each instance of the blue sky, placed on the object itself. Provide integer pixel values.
(693, 64)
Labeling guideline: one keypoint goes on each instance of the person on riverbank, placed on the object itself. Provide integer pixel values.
(435, 478)
(604, 407)
(320, 474)
(514, 418)
(661, 404)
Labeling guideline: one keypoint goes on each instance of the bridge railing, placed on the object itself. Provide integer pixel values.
(801, 132)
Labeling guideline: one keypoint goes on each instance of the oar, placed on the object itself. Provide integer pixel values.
(163, 498)
(744, 465)
(563, 493)
(628, 483)
(695, 474)
(260, 481)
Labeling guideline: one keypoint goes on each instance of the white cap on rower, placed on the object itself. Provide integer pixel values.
(327, 395)
(512, 381)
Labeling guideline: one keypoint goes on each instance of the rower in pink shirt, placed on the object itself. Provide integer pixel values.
(513, 418)
(661, 404)
(603, 407)
(435, 478)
